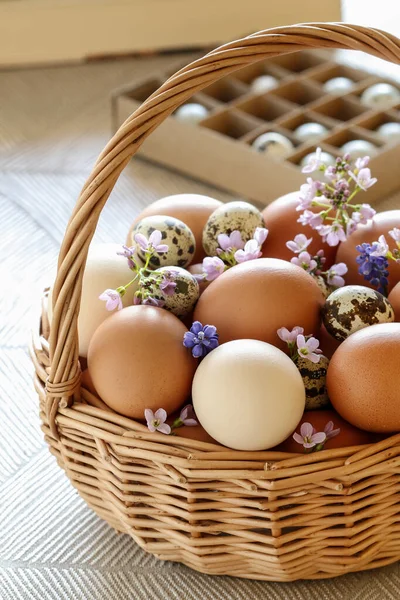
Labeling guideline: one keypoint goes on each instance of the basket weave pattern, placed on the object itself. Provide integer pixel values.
(261, 515)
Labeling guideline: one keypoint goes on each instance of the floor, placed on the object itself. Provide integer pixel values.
(53, 123)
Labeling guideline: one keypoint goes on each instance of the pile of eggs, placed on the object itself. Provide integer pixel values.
(247, 393)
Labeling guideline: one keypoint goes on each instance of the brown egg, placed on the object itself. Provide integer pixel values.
(281, 221)
(381, 224)
(87, 383)
(254, 299)
(327, 343)
(394, 299)
(197, 269)
(192, 209)
(363, 379)
(137, 360)
(348, 436)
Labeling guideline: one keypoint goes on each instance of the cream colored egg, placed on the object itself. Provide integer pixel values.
(248, 395)
(240, 216)
(104, 269)
(186, 293)
(175, 234)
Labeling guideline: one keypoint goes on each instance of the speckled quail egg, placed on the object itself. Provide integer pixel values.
(314, 378)
(263, 84)
(191, 113)
(274, 144)
(233, 216)
(186, 292)
(359, 149)
(176, 235)
(308, 132)
(323, 286)
(353, 307)
(380, 96)
(338, 85)
(326, 158)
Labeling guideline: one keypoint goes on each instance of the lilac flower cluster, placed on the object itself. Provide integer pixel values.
(300, 346)
(156, 421)
(374, 260)
(233, 250)
(201, 339)
(152, 285)
(338, 216)
(311, 440)
(314, 264)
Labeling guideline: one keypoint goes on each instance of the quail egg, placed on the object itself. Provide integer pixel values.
(233, 216)
(191, 113)
(274, 144)
(326, 158)
(338, 85)
(353, 307)
(380, 96)
(309, 132)
(186, 293)
(314, 379)
(390, 131)
(359, 149)
(176, 235)
(263, 83)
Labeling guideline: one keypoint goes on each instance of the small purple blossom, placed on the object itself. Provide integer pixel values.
(314, 162)
(156, 421)
(366, 213)
(188, 416)
(329, 431)
(361, 163)
(112, 299)
(308, 191)
(363, 178)
(251, 251)
(314, 220)
(231, 242)
(332, 234)
(334, 275)
(149, 301)
(373, 268)
(167, 286)
(381, 247)
(330, 173)
(201, 339)
(308, 437)
(152, 244)
(129, 253)
(395, 234)
(260, 235)
(305, 261)
(308, 348)
(299, 244)
(213, 267)
(289, 336)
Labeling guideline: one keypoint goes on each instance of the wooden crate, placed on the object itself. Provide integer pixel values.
(219, 151)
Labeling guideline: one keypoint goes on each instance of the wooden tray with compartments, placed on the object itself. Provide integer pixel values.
(218, 150)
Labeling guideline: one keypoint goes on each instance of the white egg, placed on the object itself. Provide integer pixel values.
(191, 113)
(380, 95)
(263, 83)
(390, 131)
(326, 158)
(308, 132)
(359, 149)
(338, 85)
(104, 269)
(248, 395)
(273, 144)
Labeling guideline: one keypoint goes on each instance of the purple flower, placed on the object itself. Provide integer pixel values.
(213, 267)
(329, 431)
(314, 220)
(308, 191)
(156, 421)
(366, 212)
(361, 163)
(299, 244)
(260, 235)
(129, 254)
(332, 234)
(363, 178)
(152, 244)
(251, 251)
(308, 437)
(289, 336)
(333, 276)
(308, 349)
(305, 261)
(188, 416)
(373, 268)
(314, 162)
(381, 247)
(395, 234)
(167, 286)
(154, 302)
(330, 173)
(231, 242)
(201, 339)
(112, 299)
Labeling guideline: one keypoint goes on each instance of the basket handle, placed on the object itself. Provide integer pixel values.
(64, 377)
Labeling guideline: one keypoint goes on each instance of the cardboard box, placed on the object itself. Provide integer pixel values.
(219, 150)
(51, 31)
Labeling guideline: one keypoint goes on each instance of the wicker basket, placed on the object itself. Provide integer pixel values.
(261, 515)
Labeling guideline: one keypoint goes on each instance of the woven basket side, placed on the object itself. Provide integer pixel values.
(64, 375)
